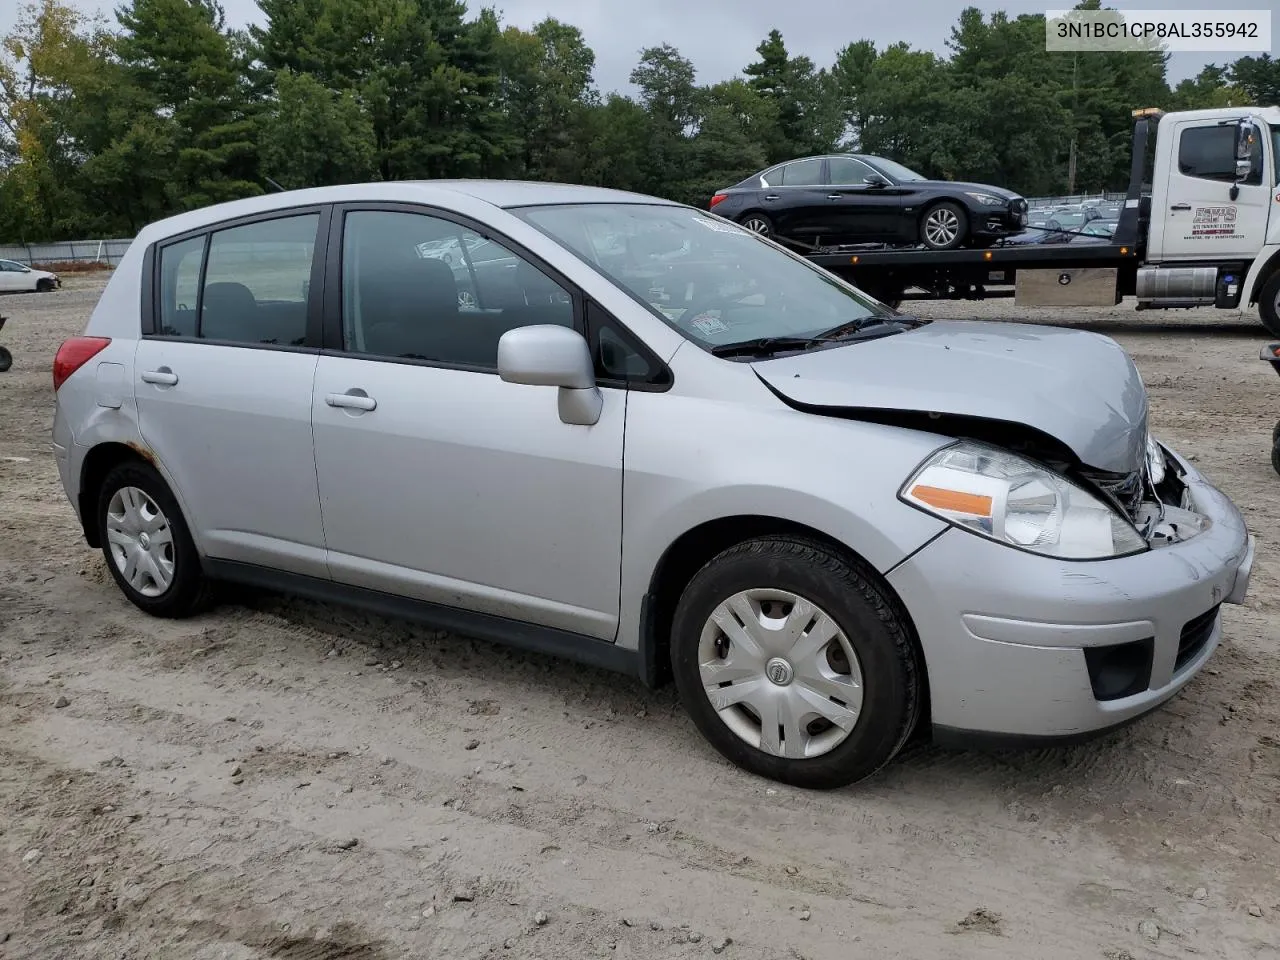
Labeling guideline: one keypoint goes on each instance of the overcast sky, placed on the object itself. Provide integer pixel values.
(720, 36)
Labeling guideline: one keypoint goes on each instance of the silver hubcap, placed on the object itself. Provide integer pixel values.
(941, 227)
(140, 540)
(756, 225)
(780, 673)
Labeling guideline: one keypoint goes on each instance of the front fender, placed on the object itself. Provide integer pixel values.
(707, 461)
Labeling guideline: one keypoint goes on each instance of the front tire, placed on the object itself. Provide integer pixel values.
(1269, 304)
(147, 544)
(944, 226)
(44, 285)
(796, 663)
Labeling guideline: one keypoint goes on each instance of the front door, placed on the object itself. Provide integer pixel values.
(223, 388)
(438, 480)
(857, 212)
(1200, 220)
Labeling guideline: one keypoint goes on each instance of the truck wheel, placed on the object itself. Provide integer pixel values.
(1269, 303)
(795, 664)
(944, 226)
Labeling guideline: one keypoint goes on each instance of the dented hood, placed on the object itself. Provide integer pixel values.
(1080, 388)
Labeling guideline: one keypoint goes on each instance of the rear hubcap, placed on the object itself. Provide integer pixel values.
(780, 672)
(140, 541)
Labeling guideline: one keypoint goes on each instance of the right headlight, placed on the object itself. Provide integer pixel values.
(1000, 495)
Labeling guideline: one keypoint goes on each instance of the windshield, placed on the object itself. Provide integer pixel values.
(712, 280)
(896, 170)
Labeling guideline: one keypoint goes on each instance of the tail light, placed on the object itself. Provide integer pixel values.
(717, 198)
(74, 354)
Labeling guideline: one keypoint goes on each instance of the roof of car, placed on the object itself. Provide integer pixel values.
(499, 193)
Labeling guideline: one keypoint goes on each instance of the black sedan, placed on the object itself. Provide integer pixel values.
(849, 198)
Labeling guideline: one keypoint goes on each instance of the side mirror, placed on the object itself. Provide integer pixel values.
(876, 181)
(547, 355)
(1244, 141)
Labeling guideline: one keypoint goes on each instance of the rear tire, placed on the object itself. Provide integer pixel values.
(147, 545)
(1275, 456)
(6, 360)
(944, 226)
(757, 222)
(1269, 303)
(839, 708)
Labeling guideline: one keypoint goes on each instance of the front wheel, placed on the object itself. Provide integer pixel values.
(44, 285)
(6, 360)
(795, 663)
(147, 545)
(1269, 304)
(944, 226)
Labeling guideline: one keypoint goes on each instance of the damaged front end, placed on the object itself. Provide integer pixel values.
(1155, 498)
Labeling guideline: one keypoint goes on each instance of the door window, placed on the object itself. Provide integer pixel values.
(420, 287)
(845, 171)
(1209, 153)
(254, 288)
(802, 173)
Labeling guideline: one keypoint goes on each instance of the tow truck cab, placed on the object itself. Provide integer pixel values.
(1213, 236)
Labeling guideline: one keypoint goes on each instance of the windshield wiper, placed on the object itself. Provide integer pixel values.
(761, 346)
(862, 323)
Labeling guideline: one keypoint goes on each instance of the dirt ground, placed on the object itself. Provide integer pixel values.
(281, 779)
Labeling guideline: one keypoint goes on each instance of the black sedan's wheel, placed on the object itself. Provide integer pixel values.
(795, 664)
(757, 222)
(147, 545)
(944, 226)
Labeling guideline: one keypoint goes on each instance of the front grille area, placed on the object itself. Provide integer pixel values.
(1126, 489)
(1195, 634)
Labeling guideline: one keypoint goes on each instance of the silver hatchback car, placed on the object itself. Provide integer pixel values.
(640, 436)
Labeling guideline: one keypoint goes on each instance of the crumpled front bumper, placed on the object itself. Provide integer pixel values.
(1004, 632)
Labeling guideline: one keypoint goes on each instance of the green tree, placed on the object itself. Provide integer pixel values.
(312, 136)
(1259, 78)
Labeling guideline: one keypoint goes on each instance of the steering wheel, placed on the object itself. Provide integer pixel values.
(699, 305)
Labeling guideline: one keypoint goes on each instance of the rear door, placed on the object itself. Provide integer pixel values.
(857, 212)
(224, 370)
(796, 199)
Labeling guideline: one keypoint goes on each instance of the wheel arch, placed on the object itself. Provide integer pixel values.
(1261, 272)
(97, 463)
(693, 549)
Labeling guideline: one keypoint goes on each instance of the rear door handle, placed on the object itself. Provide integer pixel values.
(1181, 206)
(351, 400)
(164, 377)
(771, 196)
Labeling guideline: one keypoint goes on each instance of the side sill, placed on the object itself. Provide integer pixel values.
(513, 633)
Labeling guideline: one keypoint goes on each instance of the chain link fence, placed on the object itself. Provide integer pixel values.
(107, 252)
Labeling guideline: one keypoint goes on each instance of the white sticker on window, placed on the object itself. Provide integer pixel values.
(721, 227)
(708, 324)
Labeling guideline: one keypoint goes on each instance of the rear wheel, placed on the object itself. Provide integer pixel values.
(757, 222)
(1269, 304)
(795, 664)
(944, 226)
(1275, 455)
(6, 359)
(147, 545)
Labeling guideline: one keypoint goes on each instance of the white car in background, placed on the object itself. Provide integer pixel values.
(19, 278)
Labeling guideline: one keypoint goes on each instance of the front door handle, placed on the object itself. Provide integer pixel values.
(833, 196)
(771, 196)
(1181, 206)
(354, 399)
(163, 377)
